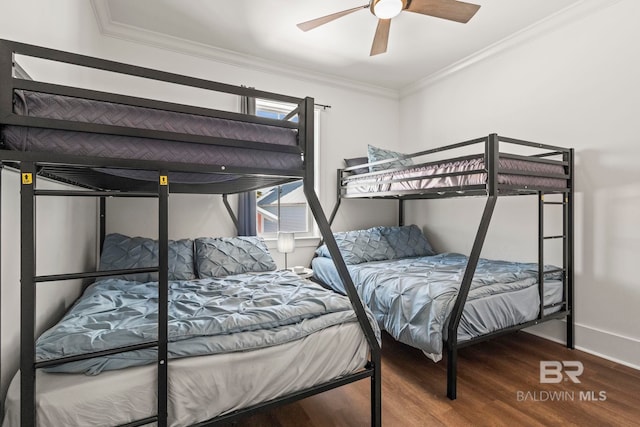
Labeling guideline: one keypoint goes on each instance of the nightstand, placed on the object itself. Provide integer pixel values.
(307, 273)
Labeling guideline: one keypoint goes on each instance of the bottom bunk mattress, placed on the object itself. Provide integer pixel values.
(234, 342)
(200, 388)
(412, 298)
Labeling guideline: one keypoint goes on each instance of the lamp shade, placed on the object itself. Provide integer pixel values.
(286, 242)
(387, 9)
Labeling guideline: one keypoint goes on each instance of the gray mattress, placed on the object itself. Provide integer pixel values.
(420, 177)
(44, 105)
(411, 298)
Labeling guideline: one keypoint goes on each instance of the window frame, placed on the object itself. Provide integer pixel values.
(282, 109)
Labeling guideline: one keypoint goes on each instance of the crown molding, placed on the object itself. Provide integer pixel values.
(561, 18)
(102, 13)
(129, 33)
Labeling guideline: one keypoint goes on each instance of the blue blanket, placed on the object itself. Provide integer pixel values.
(206, 316)
(412, 298)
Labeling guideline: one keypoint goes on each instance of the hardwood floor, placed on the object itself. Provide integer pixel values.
(498, 384)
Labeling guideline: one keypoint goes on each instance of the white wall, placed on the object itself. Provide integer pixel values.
(65, 243)
(575, 86)
(65, 227)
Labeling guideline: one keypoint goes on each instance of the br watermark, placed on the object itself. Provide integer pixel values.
(556, 372)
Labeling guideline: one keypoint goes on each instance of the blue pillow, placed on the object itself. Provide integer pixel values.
(360, 246)
(376, 154)
(224, 256)
(407, 241)
(121, 252)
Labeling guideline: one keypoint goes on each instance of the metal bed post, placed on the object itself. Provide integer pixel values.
(541, 252)
(338, 198)
(491, 164)
(456, 313)
(1, 171)
(400, 212)
(225, 200)
(306, 117)
(6, 106)
(334, 211)
(6, 74)
(163, 294)
(103, 220)
(569, 251)
(27, 295)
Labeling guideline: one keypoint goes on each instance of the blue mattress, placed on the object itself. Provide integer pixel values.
(412, 298)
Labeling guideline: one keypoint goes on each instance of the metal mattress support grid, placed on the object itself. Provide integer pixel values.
(31, 164)
(492, 189)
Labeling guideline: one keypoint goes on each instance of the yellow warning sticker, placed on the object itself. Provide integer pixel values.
(27, 178)
(164, 180)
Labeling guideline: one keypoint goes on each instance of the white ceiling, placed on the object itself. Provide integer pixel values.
(265, 31)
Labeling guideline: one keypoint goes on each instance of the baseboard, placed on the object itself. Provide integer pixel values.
(604, 344)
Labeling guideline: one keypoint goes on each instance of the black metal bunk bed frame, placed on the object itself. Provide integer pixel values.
(492, 189)
(77, 170)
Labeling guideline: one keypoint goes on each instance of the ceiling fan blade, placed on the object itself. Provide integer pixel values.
(381, 38)
(310, 25)
(452, 10)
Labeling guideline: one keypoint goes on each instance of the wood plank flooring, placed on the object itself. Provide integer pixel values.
(498, 384)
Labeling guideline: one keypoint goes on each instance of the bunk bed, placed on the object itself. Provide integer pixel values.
(434, 301)
(112, 145)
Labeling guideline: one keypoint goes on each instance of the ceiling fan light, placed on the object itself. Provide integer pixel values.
(387, 9)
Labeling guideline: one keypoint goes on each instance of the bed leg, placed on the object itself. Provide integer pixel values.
(570, 332)
(376, 396)
(452, 372)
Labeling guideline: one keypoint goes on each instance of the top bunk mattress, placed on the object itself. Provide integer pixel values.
(422, 177)
(43, 105)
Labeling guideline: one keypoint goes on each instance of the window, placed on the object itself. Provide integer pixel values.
(284, 207)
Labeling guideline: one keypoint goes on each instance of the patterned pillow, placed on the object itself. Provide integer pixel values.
(360, 246)
(407, 241)
(223, 256)
(376, 154)
(121, 252)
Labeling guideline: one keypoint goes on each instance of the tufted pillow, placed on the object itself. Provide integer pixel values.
(355, 162)
(376, 154)
(360, 246)
(120, 252)
(407, 241)
(223, 256)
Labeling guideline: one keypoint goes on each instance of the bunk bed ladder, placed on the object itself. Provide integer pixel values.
(29, 280)
(542, 238)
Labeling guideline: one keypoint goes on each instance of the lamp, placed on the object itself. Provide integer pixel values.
(387, 9)
(286, 244)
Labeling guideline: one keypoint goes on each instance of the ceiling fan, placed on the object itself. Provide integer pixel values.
(384, 10)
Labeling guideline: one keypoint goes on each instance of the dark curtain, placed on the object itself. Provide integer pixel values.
(247, 201)
(247, 214)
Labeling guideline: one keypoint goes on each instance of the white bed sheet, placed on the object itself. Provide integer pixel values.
(200, 388)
